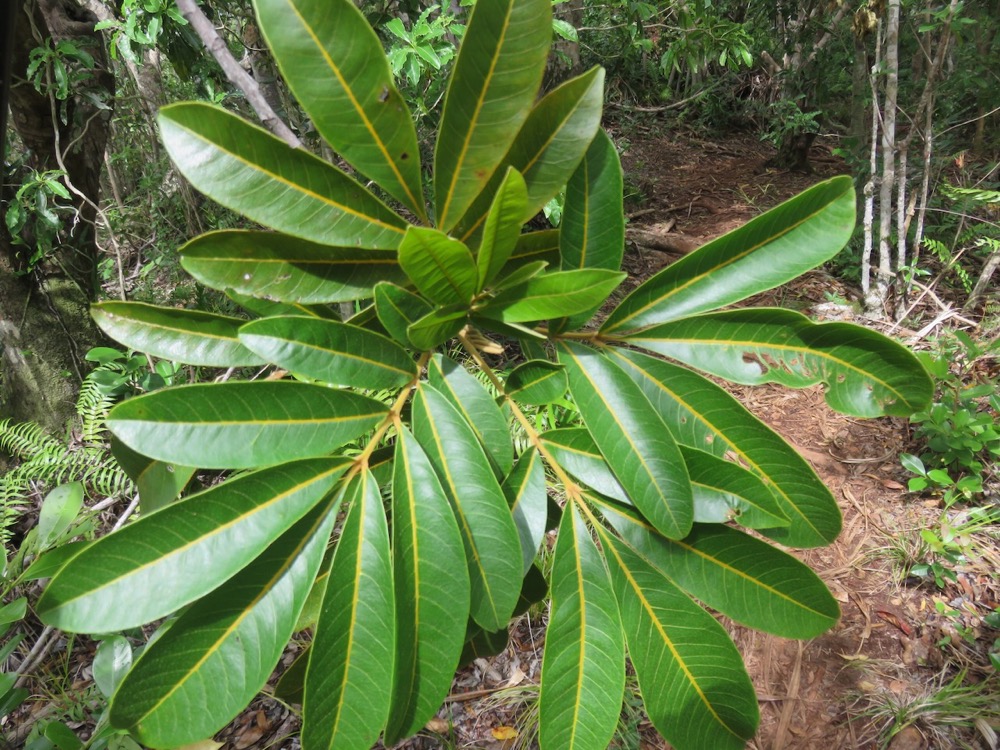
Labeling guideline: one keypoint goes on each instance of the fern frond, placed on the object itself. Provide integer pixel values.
(93, 406)
(26, 440)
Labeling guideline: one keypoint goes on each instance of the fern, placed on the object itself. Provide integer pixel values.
(46, 462)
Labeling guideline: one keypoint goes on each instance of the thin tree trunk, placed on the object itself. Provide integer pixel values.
(884, 279)
(869, 190)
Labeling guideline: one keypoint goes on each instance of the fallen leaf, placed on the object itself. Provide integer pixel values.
(504, 733)
(438, 725)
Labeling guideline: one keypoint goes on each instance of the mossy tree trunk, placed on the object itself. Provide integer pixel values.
(45, 326)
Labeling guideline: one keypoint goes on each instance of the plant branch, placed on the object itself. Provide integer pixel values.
(236, 75)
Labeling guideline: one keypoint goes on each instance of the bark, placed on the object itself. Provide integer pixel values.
(45, 325)
(883, 280)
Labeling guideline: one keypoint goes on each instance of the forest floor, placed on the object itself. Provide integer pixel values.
(882, 677)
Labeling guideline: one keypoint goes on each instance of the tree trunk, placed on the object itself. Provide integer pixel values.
(45, 326)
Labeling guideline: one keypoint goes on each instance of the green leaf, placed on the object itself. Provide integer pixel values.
(491, 540)
(242, 424)
(503, 226)
(525, 491)
(583, 668)
(51, 562)
(437, 327)
(575, 451)
(58, 512)
(398, 309)
(865, 373)
(291, 685)
(263, 308)
(350, 668)
(548, 147)
(633, 438)
(694, 686)
(284, 268)
(159, 483)
(704, 416)
(537, 382)
(520, 275)
(478, 408)
(334, 64)
(768, 251)
(432, 591)
(330, 351)
(553, 294)
(13, 611)
(165, 560)
(724, 491)
(592, 232)
(442, 269)
(492, 88)
(188, 336)
(745, 578)
(256, 174)
(112, 660)
(533, 247)
(208, 665)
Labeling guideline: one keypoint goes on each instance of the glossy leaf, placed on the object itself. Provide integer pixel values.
(575, 451)
(159, 483)
(704, 416)
(865, 373)
(525, 491)
(592, 231)
(330, 351)
(442, 269)
(334, 64)
(431, 582)
(284, 268)
(537, 382)
(154, 566)
(188, 336)
(724, 491)
(350, 668)
(633, 438)
(437, 327)
(553, 294)
(262, 308)
(398, 309)
(242, 425)
(535, 246)
(745, 578)
(492, 88)
(478, 408)
(583, 668)
(694, 686)
(491, 540)
(768, 251)
(209, 664)
(59, 510)
(548, 147)
(256, 174)
(503, 226)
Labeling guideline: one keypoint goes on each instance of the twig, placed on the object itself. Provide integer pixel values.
(37, 653)
(236, 75)
(128, 512)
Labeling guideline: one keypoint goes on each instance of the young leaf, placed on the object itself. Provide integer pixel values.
(398, 309)
(256, 174)
(768, 251)
(431, 582)
(334, 64)
(503, 226)
(553, 294)
(491, 540)
(442, 269)
(209, 664)
(583, 668)
(166, 560)
(492, 88)
(188, 336)
(694, 685)
(633, 438)
(866, 374)
(350, 670)
(330, 351)
(242, 424)
(287, 269)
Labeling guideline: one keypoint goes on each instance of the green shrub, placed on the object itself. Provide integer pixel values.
(444, 562)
